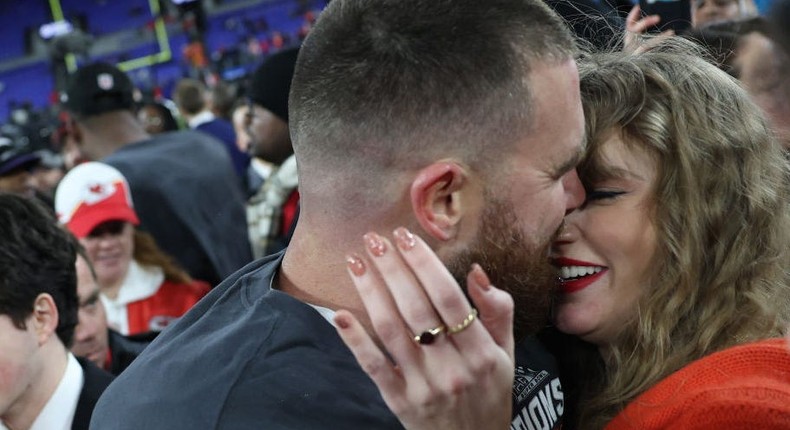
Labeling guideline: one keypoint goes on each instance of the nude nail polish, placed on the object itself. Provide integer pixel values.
(375, 244)
(480, 277)
(404, 238)
(355, 265)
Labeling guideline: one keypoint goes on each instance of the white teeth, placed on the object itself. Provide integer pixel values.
(568, 272)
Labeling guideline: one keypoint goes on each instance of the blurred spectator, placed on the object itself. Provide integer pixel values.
(142, 290)
(191, 96)
(749, 50)
(17, 162)
(764, 69)
(259, 168)
(93, 340)
(33, 130)
(222, 97)
(43, 385)
(49, 172)
(707, 12)
(273, 208)
(779, 16)
(156, 118)
(183, 184)
(194, 53)
(63, 138)
(266, 123)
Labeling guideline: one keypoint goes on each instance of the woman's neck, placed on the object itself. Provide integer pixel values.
(111, 287)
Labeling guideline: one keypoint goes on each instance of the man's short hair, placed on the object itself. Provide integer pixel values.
(387, 84)
(36, 256)
(190, 96)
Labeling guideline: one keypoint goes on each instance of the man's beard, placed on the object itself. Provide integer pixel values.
(513, 264)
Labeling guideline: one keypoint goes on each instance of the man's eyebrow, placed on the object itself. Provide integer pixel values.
(574, 160)
(93, 298)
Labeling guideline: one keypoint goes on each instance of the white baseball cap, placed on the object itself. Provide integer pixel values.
(93, 193)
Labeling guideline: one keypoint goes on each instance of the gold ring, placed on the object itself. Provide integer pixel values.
(428, 336)
(464, 324)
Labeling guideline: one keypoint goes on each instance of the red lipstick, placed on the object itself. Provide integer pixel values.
(568, 286)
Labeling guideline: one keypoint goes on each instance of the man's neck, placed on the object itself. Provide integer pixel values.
(50, 368)
(314, 271)
(114, 131)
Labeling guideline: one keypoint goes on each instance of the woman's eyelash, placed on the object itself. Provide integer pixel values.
(603, 194)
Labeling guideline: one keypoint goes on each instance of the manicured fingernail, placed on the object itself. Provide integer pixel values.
(342, 322)
(375, 244)
(355, 265)
(480, 277)
(404, 238)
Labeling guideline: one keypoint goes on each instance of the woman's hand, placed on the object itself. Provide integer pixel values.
(439, 363)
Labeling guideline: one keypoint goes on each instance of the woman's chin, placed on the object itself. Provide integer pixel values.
(571, 321)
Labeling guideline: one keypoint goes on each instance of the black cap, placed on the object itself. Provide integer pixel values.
(98, 88)
(271, 82)
(15, 150)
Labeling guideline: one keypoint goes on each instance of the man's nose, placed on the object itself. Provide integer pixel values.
(574, 191)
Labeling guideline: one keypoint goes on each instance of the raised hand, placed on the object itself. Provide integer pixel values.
(636, 27)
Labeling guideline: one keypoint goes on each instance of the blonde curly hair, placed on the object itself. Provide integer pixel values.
(720, 273)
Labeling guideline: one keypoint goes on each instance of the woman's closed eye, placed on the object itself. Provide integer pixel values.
(599, 195)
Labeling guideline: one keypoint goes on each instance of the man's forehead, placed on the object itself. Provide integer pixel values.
(86, 283)
(87, 293)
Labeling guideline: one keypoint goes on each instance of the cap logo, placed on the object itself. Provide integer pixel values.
(98, 192)
(105, 81)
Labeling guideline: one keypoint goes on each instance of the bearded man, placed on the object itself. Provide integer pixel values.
(461, 121)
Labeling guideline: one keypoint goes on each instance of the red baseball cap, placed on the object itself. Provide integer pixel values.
(93, 193)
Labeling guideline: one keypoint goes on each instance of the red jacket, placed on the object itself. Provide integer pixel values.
(743, 387)
(170, 302)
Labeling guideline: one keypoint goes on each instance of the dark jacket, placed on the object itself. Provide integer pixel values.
(223, 131)
(188, 198)
(96, 380)
(246, 357)
(124, 349)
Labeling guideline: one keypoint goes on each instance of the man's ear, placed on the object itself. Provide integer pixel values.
(438, 198)
(45, 317)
